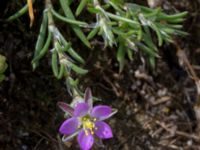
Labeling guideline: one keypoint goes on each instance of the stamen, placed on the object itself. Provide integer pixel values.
(88, 125)
(86, 132)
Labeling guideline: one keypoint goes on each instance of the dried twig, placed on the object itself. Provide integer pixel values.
(183, 60)
(176, 132)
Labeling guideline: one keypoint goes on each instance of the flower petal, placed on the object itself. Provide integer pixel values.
(88, 97)
(69, 126)
(66, 138)
(103, 130)
(76, 101)
(85, 141)
(102, 111)
(66, 108)
(114, 111)
(81, 109)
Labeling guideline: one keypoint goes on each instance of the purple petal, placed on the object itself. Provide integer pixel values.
(100, 112)
(114, 111)
(88, 97)
(66, 108)
(85, 141)
(66, 138)
(103, 130)
(69, 126)
(77, 100)
(81, 109)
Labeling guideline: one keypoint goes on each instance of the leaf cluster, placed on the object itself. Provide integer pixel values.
(127, 26)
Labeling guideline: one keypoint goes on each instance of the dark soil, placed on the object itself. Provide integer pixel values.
(155, 108)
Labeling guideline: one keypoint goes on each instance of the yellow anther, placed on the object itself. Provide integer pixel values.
(88, 125)
(86, 132)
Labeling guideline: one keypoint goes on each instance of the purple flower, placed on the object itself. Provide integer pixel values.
(86, 121)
